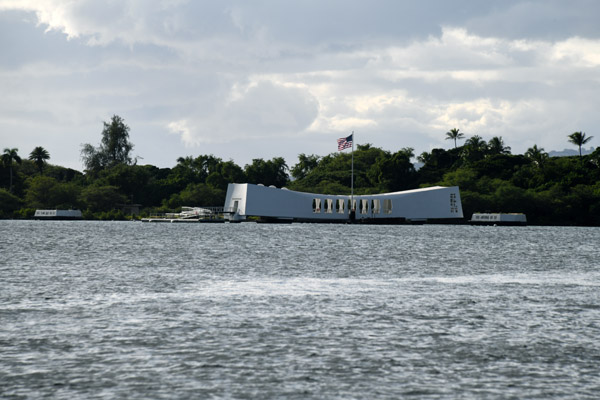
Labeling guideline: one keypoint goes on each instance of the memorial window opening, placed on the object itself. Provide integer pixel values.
(387, 206)
(364, 206)
(328, 206)
(339, 206)
(376, 206)
(316, 206)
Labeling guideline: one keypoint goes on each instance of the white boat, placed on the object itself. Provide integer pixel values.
(58, 214)
(188, 214)
(509, 219)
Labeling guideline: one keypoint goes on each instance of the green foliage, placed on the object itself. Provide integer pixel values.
(550, 190)
(111, 215)
(496, 146)
(40, 191)
(437, 163)
(475, 202)
(499, 165)
(101, 198)
(9, 203)
(9, 157)
(47, 192)
(537, 156)
(197, 194)
(114, 148)
(39, 155)
(393, 172)
(305, 165)
(579, 139)
(454, 134)
(224, 173)
(465, 178)
(24, 213)
(475, 149)
(132, 180)
(271, 172)
(331, 169)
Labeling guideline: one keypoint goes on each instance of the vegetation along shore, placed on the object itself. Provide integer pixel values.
(550, 190)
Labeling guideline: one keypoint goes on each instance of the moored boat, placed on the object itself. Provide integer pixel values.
(507, 219)
(60, 215)
(189, 214)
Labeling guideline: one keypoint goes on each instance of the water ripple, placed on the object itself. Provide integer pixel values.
(105, 310)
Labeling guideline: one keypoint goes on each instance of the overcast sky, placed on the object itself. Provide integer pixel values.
(260, 79)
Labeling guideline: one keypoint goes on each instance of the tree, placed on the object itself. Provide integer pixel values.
(197, 194)
(195, 170)
(39, 192)
(8, 157)
(496, 146)
(225, 173)
(101, 198)
(271, 172)
(305, 165)
(39, 155)
(537, 155)
(579, 139)
(437, 163)
(9, 203)
(132, 181)
(115, 141)
(474, 149)
(114, 148)
(394, 172)
(454, 134)
(47, 192)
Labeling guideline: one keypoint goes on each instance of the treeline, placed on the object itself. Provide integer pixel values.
(550, 190)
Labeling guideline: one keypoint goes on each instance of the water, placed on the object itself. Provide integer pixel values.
(302, 311)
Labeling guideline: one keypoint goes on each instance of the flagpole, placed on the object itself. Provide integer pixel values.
(352, 176)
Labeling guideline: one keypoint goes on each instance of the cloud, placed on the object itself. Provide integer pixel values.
(404, 94)
(255, 110)
(579, 52)
(99, 22)
(237, 77)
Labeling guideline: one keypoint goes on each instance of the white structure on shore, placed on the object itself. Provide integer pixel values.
(282, 205)
(517, 219)
(58, 214)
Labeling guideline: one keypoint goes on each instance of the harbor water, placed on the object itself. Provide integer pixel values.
(92, 310)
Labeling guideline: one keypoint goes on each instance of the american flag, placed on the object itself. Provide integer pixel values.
(345, 143)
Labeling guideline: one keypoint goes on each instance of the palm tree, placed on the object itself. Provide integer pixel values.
(477, 143)
(537, 155)
(579, 139)
(39, 155)
(496, 146)
(453, 134)
(8, 157)
(474, 149)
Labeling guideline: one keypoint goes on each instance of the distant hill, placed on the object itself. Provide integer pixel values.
(570, 152)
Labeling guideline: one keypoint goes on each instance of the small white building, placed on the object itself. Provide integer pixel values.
(57, 214)
(515, 219)
(245, 200)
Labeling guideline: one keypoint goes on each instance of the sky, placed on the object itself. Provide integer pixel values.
(272, 78)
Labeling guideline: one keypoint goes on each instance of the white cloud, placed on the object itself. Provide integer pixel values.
(227, 76)
(260, 109)
(578, 52)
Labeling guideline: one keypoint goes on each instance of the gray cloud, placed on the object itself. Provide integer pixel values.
(275, 78)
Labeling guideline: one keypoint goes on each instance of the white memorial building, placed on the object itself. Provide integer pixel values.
(271, 204)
